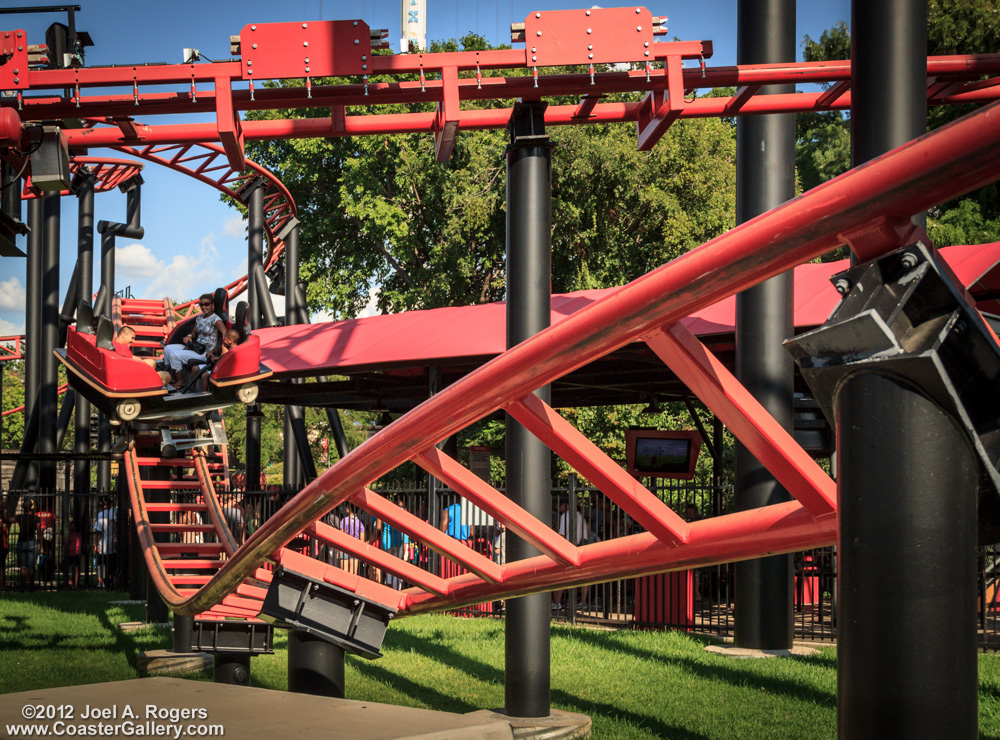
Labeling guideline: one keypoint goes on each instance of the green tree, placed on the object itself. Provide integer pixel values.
(823, 139)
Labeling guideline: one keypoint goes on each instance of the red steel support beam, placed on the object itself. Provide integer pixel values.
(746, 534)
(379, 558)
(452, 473)
(594, 464)
(776, 449)
(428, 534)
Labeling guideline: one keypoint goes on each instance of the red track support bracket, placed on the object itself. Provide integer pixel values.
(595, 36)
(446, 115)
(660, 108)
(228, 120)
(314, 49)
(750, 422)
(14, 60)
(883, 235)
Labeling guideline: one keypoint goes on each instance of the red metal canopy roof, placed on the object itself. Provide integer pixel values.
(419, 338)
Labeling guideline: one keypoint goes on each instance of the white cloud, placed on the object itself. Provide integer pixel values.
(184, 276)
(234, 227)
(12, 295)
(10, 329)
(135, 263)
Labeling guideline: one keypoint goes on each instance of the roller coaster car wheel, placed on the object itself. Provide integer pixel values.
(247, 393)
(128, 409)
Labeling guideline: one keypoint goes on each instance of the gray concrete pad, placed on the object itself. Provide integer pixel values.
(797, 651)
(559, 725)
(169, 663)
(130, 627)
(243, 712)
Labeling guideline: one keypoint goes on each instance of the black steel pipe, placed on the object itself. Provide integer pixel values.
(253, 447)
(105, 297)
(268, 316)
(888, 75)
(33, 304)
(315, 666)
(133, 211)
(255, 249)
(10, 200)
(765, 178)
(65, 412)
(294, 456)
(907, 558)
(232, 668)
(85, 287)
(183, 634)
(303, 451)
(69, 305)
(48, 365)
(22, 468)
(529, 280)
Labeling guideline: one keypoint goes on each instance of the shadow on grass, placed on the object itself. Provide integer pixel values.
(74, 603)
(426, 694)
(730, 673)
(563, 699)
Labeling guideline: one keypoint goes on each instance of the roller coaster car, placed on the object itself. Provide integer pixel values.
(126, 388)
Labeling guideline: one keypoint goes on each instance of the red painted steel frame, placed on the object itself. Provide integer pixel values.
(864, 206)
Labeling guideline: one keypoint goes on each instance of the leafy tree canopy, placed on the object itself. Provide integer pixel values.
(823, 149)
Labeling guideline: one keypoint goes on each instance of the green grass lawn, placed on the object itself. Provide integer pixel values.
(633, 684)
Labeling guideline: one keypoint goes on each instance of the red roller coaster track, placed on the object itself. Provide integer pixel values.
(869, 208)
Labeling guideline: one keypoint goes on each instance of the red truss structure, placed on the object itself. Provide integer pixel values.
(869, 208)
(318, 50)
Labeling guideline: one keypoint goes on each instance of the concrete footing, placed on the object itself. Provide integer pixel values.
(130, 627)
(169, 663)
(559, 725)
(797, 651)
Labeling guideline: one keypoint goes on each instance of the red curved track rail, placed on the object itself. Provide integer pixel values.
(208, 163)
(869, 208)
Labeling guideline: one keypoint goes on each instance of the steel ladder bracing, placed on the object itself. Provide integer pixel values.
(194, 541)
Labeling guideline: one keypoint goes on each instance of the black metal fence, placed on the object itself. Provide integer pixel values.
(66, 552)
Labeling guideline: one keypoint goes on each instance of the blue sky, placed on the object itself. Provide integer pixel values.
(193, 242)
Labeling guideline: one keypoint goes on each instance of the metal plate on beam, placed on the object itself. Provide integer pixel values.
(595, 36)
(313, 49)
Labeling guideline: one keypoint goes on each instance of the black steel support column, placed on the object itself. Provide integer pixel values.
(253, 447)
(48, 370)
(765, 178)
(85, 287)
(232, 668)
(907, 514)
(108, 288)
(315, 666)
(253, 197)
(529, 280)
(888, 75)
(919, 482)
(33, 320)
(183, 633)
(294, 466)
